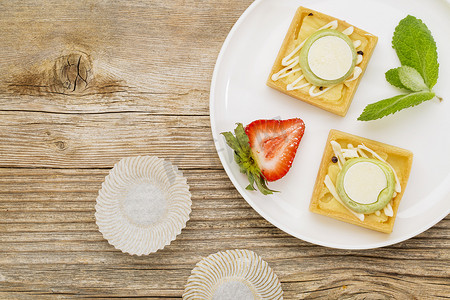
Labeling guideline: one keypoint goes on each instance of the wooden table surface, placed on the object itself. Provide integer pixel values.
(86, 83)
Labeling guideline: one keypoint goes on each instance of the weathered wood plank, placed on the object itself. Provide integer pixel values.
(99, 141)
(163, 46)
(64, 230)
(153, 57)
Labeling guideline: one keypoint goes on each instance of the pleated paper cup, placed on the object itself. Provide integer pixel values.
(231, 275)
(143, 204)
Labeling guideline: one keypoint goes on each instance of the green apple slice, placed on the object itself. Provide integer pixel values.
(365, 185)
(327, 58)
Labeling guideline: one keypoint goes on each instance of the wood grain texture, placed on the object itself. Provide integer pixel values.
(85, 83)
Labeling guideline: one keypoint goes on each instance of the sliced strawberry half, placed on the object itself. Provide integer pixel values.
(265, 149)
(274, 144)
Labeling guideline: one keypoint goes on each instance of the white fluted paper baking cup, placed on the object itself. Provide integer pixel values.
(233, 274)
(143, 204)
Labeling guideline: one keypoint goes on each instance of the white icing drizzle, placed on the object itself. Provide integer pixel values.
(313, 94)
(348, 31)
(280, 74)
(357, 43)
(291, 86)
(356, 73)
(290, 72)
(287, 59)
(352, 152)
(359, 59)
(332, 25)
(338, 153)
(388, 211)
(361, 153)
(330, 186)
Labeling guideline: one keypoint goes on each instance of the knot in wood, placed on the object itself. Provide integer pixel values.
(60, 145)
(73, 72)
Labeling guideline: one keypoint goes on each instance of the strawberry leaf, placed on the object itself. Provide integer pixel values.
(262, 187)
(232, 141)
(242, 139)
(251, 179)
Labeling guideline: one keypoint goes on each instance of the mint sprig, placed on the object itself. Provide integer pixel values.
(417, 52)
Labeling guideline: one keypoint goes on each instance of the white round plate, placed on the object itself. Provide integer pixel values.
(239, 94)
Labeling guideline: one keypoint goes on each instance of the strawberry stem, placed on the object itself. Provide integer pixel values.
(244, 158)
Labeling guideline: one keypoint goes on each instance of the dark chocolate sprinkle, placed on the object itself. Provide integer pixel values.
(360, 52)
(321, 88)
(334, 159)
(310, 14)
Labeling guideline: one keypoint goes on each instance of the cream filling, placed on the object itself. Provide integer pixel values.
(330, 57)
(364, 181)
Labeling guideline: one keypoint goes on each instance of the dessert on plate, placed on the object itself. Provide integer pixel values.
(322, 60)
(361, 181)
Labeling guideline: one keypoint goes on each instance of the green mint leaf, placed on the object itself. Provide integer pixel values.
(389, 106)
(393, 78)
(416, 48)
(411, 79)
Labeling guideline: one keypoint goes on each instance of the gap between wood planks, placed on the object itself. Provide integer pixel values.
(105, 112)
